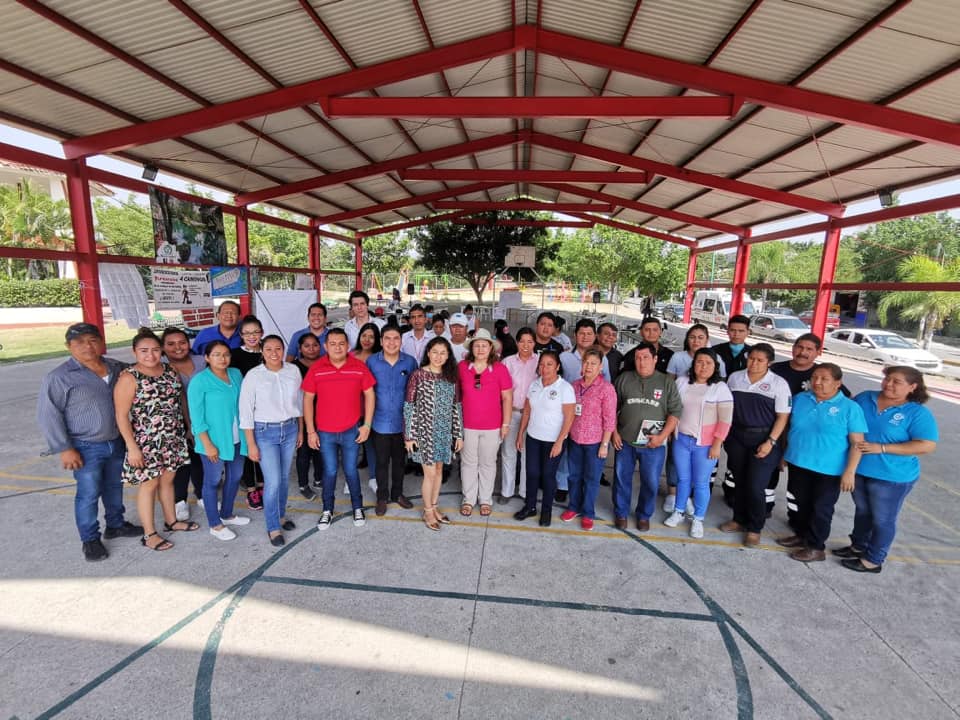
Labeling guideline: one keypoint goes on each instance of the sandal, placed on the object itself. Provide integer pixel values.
(172, 527)
(164, 544)
(485, 510)
(428, 511)
(466, 509)
(441, 518)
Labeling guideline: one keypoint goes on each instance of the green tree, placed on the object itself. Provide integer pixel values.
(126, 228)
(932, 309)
(30, 218)
(388, 253)
(768, 264)
(881, 248)
(475, 252)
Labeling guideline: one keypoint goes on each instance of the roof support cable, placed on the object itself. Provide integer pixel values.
(823, 161)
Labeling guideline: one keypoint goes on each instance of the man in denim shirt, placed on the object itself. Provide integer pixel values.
(77, 418)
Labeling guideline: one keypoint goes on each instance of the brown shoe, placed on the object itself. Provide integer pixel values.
(751, 539)
(732, 526)
(643, 525)
(381, 508)
(791, 541)
(808, 555)
(403, 502)
(621, 523)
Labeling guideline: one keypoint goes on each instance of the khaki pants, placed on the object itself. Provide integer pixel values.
(478, 465)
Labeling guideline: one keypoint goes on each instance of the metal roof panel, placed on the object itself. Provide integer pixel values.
(688, 30)
(450, 22)
(372, 31)
(601, 20)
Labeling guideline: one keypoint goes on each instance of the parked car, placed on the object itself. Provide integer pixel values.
(779, 311)
(672, 312)
(779, 327)
(882, 347)
(833, 320)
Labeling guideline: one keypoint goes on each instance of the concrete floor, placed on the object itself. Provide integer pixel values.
(487, 618)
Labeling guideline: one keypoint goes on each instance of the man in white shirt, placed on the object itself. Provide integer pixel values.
(360, 307)
(471, 318)
(415, 341)
(458, 335)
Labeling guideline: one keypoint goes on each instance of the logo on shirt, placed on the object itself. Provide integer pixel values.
(657, 394)
(834, 410)
(764, 387)
(552, 395)
(897, 418)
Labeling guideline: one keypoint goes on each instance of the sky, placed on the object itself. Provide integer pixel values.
(32, 141)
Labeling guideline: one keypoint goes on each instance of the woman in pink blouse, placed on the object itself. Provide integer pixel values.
(523, 371)
(595, 419)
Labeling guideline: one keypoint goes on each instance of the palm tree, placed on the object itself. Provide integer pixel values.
(31, 218)
(932, 309)
(768, 264)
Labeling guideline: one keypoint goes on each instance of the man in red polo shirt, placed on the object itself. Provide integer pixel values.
(338, 381)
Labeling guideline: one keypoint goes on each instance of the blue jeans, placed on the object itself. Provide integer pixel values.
(278, 444)
(651, 465)
(99, 479)
(212, 473)
(563, 471)
(541, 474)
(333, 445)
(585, 471)
(693, 469)
(878, 504)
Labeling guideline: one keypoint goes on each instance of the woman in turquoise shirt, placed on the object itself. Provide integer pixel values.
(213, 399)
(899, 429)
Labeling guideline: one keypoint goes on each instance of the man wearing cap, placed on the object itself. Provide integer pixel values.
(226, 329)
(77, 418)
(458, 335)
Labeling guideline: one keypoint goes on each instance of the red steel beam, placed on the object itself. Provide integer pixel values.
(692, 176)
(444, 217)
(741, 269)
(828, 270)
(335, 236)
(419, 158)
(689, 286)
(639, 230)
(531, 107)
(407, 202)
(650, 209)
(510, 176)
(763, 92)
(81, 218)
(274, 101)
(16, 154)
(484, 206)
(526, 223)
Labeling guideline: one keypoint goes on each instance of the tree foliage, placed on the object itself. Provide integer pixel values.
(388, 253)
(881, 249)
(617, 258)
(29, 217)
(932, 309)
(126, 228)
(476, 252)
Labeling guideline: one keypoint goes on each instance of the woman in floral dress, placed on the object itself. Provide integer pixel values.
(433, 422)
(149, 404)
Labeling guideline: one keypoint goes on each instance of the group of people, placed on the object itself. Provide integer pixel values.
(243, 407)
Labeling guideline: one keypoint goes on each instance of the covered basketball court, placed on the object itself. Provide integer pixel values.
(691, 121)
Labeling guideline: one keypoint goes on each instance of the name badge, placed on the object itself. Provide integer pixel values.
(578, 409)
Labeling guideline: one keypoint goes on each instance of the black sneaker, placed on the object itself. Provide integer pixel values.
(128, 529)
(318, 484)
(307, 492)
(326, 517)
(359, 517)
(94, 550)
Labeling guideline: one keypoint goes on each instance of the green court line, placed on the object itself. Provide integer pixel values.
(724, 620)
(496, 599)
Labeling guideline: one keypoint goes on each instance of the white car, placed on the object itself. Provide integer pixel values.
(778, 327)
(883, 347)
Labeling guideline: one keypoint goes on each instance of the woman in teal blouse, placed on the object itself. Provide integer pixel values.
(213, 399)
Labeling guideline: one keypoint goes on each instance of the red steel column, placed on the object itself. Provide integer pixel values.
(88, 268)
(358, 257)
(243, 259)
(740, 272)
(691, 278)
(828, 269)
(313, 246)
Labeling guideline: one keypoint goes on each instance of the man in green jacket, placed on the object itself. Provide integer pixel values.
(648, 409)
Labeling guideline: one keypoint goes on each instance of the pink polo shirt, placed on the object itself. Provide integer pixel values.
(483, 408)
(598, 411)
(523, 374)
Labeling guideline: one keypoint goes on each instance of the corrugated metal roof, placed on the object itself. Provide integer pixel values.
(687, 30)
(450, 22)
(601, 20)
(372, 31)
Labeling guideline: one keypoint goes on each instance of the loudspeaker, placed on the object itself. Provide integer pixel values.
(596, 296)
(411, 289)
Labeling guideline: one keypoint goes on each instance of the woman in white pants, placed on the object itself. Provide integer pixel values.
(523, 371)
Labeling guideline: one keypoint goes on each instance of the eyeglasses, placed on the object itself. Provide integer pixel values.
(252, 333)
(476, 381)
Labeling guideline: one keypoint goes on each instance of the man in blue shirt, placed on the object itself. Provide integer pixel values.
(226, 329)
(316, 324)
(77, 418)
(391, 369)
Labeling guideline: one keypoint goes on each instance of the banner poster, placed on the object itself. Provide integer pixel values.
(228, 281)
(187, 232)
(180, 289)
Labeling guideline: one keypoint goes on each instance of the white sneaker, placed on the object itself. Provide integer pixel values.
(346, 490)
(689, 512)
(696, 528)
(326, 517)
(373, 484)
(359, 518)
(674, 519)
(223, 533)
(182, 511)
(200, 503)
(236, 520)
(670, 503)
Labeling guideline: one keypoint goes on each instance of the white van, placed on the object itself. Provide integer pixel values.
(713, 306)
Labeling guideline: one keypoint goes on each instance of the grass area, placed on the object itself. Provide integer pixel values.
(40, 343)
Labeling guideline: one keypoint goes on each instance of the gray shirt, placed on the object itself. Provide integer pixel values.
(76, 405)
